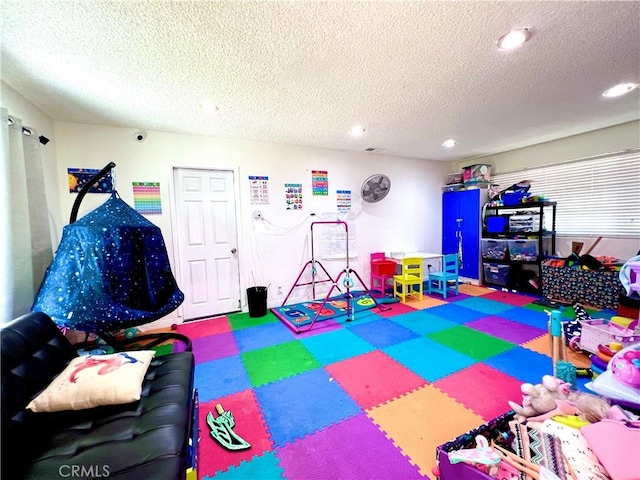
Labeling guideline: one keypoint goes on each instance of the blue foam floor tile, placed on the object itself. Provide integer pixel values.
(454, 312)
(423, 356)
(219, 378)
(527, 316)
(484, 305)
(262, 336)
(523, 364)
(422, 322)
(383, 333)
(299, 405)
(265, 467)
(335, 346)
(363, 316)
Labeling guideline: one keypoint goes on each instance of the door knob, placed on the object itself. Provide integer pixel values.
(234, 250)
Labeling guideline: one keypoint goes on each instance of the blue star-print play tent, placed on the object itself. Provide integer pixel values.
(110, 272)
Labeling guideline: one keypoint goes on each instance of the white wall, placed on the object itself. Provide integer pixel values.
(597, 142)
(33, 117)
(408, 219)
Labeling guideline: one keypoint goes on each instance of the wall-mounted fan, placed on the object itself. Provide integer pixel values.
(375, 188)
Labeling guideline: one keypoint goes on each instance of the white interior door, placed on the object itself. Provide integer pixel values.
(207, 241)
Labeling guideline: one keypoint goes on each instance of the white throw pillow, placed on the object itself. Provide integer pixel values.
(95, 380)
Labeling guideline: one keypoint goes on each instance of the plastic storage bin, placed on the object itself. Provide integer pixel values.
(524, 223)
(526, 250)
(479, 174)
(383, 267)
(513, 198)
(496, 274)
(494, 249)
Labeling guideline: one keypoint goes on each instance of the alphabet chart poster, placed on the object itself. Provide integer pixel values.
(344, 200)
(319, 182)
(259, 190)
(146, 198)
(293, 195)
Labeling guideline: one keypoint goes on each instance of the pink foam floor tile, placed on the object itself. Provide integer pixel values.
(249, 425)
(482, 389)
(396, 309)
(203, 328)
(509, 298)
(373, 378)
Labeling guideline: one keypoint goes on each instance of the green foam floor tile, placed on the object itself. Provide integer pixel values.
(471, 343)
(238, 321)
(267, 365)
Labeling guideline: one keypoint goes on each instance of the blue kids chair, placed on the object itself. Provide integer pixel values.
(437, 281)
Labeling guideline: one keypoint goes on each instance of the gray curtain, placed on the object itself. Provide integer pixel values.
(25, 239)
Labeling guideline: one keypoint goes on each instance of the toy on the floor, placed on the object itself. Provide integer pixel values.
(554, 396)
(630, 276)
(347, 283)
(482, 457)
(622, 388)
(222, 430)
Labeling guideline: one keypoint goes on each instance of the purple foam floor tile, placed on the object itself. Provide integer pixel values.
(214, 347)
(352, 449)
(505, 329)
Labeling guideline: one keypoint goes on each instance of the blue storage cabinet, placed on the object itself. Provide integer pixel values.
(461, 228)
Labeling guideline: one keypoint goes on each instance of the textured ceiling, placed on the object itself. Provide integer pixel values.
(303, 72)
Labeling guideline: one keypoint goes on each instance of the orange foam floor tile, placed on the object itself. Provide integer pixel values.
(422, 420)
(473, 290)
(426, 302)
(543, 345)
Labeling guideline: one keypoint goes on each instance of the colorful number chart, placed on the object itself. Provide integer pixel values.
(319, 182)
(293, 195)
(146, 198)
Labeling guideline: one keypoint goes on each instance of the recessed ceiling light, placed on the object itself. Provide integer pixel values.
(449, 143)
(619, 89)
(357, 130)
(207, 106)
(514, 39)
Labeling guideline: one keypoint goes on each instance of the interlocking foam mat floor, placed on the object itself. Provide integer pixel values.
(367, 399)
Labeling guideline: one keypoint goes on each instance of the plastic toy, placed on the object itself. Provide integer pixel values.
(607, 385)
(626, 368)
(222, 430)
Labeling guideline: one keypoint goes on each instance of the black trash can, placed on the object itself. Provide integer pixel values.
(257, 300)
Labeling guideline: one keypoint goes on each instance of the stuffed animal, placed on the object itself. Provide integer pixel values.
(541, 398)
(554, 396)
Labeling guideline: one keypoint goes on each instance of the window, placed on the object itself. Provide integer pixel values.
(596, 196)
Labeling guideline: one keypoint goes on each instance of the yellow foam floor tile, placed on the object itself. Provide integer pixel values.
(473, 290)
(420, 421)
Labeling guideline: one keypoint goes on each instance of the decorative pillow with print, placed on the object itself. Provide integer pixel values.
(95, 380)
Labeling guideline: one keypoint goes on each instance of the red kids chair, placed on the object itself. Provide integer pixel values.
(382, 271)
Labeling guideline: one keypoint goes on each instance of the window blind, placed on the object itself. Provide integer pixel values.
(595, 196)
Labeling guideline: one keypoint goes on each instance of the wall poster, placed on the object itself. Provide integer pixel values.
(319, 182)
(146, 198)
(293, 196)
(259, 190)
(343, 198)
(78, 177)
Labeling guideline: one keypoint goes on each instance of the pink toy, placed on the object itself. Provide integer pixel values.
(626, 368)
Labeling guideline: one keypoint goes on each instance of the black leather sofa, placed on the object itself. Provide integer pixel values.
(144, 440)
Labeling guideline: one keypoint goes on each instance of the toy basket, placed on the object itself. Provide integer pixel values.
(596, 332)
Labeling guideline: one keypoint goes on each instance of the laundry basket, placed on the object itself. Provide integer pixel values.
(597, 332)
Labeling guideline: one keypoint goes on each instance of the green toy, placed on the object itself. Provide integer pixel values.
(222, 430)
